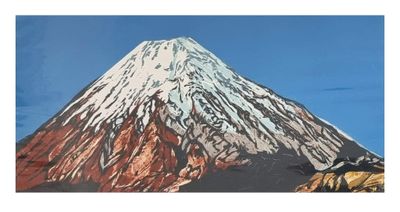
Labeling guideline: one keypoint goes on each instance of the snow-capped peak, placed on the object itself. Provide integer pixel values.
(233, 115)
(151, 67)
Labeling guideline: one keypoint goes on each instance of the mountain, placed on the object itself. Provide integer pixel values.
(365, 174)
(171, 116)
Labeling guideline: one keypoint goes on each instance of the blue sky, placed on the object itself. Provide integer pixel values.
(334, 65)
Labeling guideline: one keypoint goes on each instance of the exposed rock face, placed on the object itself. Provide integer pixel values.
(145, 162)
(364, 175)
(171, 116)
(350, 181)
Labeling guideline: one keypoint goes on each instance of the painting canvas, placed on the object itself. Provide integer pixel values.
(199, 104)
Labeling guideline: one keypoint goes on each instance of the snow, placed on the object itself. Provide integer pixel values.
(183, 75)
(337, 129)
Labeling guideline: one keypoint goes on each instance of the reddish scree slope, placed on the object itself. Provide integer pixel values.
(145, 162)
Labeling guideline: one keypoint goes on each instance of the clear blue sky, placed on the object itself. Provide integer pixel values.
(334, 65)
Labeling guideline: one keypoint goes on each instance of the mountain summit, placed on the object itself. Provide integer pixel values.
(171, 116)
